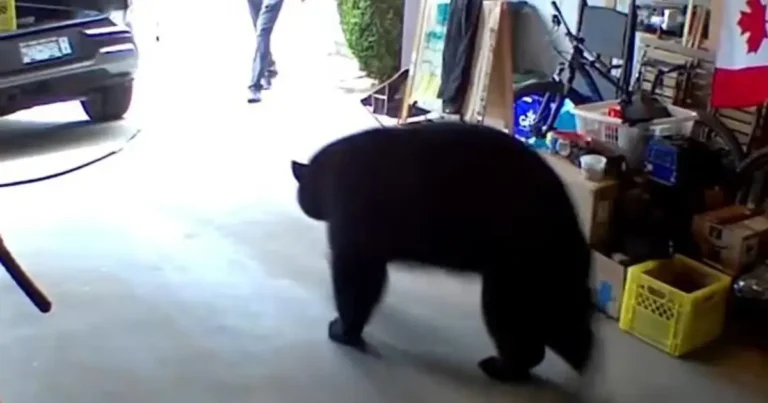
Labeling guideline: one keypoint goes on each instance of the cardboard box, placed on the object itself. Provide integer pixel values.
(731, 238)
(594, 201)
(607, 282)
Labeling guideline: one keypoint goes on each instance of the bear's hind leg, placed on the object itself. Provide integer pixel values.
(573, 337)
(514, 327)
(358, 284)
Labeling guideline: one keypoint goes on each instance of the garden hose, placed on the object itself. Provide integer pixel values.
(11, 265)
(70, 170)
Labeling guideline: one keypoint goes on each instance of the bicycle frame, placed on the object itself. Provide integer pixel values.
(577, 64)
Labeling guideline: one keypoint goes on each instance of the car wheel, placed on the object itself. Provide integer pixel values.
(108, 104)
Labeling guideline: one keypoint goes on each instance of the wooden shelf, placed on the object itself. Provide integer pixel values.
(675, 46)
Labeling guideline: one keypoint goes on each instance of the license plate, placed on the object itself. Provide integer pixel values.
(45, 49)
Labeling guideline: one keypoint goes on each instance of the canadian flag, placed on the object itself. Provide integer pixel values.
(741, 66)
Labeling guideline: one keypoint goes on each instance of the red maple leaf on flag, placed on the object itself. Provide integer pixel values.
(752, 23)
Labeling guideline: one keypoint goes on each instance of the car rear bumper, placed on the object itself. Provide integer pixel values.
(113, 59)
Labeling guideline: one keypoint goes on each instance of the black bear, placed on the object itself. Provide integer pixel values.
(467, 198)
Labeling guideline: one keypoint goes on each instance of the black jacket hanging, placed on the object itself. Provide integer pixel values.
(458, 53)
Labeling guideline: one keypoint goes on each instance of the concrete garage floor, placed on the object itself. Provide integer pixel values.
(183, 271)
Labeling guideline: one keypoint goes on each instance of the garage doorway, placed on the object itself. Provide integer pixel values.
(193, 65)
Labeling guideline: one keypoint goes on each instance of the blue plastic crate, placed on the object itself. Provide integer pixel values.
(661, 161)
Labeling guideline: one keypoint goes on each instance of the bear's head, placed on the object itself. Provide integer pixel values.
(308, 193)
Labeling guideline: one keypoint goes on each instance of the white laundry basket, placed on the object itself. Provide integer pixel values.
(593, 120)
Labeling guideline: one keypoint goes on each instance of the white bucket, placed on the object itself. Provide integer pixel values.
(593, 167)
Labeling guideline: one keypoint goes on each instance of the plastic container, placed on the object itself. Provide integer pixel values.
(593, 167)
(524, 114)
(677, 305)
(753, 285)
(7, 15)
(566, 121)
(594, 121)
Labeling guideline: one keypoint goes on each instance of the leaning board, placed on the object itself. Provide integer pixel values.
(490, 95)
(427, 60)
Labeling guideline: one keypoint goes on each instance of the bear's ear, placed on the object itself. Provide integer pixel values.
(298, 170)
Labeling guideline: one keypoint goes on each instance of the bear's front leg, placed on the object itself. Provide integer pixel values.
(514, 327)
(494, 368)
(338, 334)
(358, 284)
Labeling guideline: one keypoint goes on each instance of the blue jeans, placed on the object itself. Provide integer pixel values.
(264, 14)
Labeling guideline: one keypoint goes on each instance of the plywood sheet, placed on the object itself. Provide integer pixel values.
(498, 111)
(490, 96)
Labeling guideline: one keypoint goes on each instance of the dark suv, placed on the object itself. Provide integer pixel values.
(63, 50)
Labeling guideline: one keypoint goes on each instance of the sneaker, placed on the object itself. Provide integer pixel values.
(266, 83)
(254, 95)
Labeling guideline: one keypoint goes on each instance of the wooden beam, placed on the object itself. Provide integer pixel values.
(405, 109)
(715, 22)
(688, 22)
(506, 31)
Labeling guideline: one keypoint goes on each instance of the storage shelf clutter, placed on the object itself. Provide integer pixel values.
(677, 220)
(676, 190)
(668, 237)
(594, 121)
(676, 304)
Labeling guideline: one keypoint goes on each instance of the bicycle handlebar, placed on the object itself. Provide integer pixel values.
(576, 40)
(559, 14)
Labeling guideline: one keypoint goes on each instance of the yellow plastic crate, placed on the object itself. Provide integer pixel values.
(677, 305)
(7, 15)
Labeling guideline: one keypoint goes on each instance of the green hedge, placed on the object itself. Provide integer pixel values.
(373, 30)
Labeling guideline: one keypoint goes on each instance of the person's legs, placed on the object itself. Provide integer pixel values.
(254, 6)
(271, 73)
(272, 69)
(266, 24)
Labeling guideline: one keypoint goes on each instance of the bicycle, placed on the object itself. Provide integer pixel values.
(581, 63)
(548, 97)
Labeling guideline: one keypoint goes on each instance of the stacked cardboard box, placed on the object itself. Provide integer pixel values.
(609, 275)
(594, 203)
(732, 238)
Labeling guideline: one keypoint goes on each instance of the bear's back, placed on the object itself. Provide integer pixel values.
(437, 166)
(445, 193)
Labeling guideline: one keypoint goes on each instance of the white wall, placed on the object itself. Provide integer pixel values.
(410, 23)
(536, 49)
(536, 46)
(411, 15)
(570, 9)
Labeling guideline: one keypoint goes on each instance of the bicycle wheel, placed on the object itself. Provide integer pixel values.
(709, 129)
(528, 101)
(746, 177)
(758, 161)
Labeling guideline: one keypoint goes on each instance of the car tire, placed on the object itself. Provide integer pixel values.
(108, 104)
